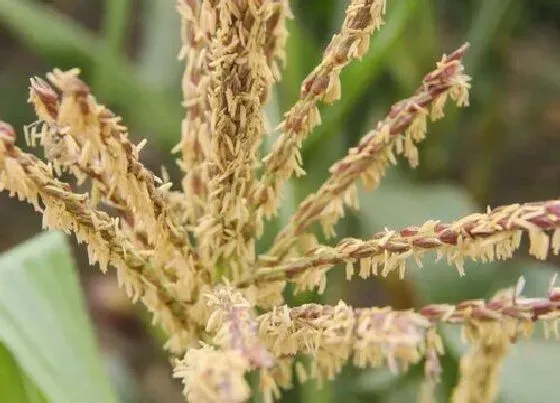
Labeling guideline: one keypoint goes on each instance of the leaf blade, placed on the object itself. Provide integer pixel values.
(44, 325)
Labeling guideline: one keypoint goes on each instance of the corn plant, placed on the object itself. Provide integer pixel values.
(190, 255)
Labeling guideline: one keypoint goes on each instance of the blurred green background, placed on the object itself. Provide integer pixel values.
(502, 149)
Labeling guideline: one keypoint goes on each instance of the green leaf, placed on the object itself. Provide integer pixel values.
(117, 15)
(482, 32)
(115, 23)
(43, 322)
(14, 383)
(302, 54)
(399, 202)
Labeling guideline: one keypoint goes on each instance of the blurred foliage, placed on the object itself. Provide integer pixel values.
(47, 353)
(14, 383)
(502, 149)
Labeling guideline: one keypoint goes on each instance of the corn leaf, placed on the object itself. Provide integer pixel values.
(44, 325)
(14, 383)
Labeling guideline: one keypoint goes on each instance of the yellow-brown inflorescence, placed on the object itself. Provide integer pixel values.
(398, 133)
(190, 256)
(481, 236)
(195, 130)
(198, 27)
(375, 337)
(28, 178)
(241, 67)
(323, 84)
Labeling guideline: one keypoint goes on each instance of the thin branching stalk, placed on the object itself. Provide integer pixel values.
(481, 236)
(404, 126)
(323, 84)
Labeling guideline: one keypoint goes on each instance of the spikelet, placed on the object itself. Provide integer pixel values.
(363, 17)
(485, 237)
(405, 124)
(241, 71)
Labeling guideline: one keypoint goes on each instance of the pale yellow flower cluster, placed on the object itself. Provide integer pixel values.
(212, 376)
(332, 336)
(190, 256)
(242, 52)
(28, 178)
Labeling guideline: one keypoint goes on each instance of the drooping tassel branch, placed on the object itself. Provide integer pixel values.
(86, 139)
(26, 177)
(374, 337)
